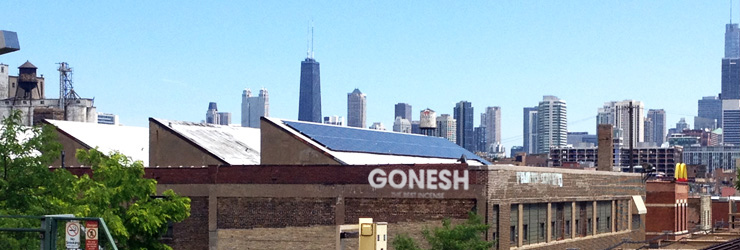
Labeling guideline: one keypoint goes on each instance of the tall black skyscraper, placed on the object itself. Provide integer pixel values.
(465, 133)
(309, 102)
(403, 110)
(730, 66)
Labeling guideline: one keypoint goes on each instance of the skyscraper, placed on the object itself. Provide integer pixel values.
(552, 124)
(224, 118)
(403, 110)
(356, 109)
(254, 107)
(731, 121)
(530, 130)
(709, 115)
(492, 123)
(730, 78)
(656, 132)
(464, 116)
(732, 40)
(309, 102)
(212, 113)
(446, 127)
(618, 115)
(402, 125)
(730, 95)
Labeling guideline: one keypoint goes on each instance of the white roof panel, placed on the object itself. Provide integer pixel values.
(130, 141)
(234, 145)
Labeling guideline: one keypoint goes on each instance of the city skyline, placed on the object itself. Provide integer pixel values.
(487, 52)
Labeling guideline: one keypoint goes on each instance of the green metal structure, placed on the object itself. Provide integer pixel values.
(49, 225)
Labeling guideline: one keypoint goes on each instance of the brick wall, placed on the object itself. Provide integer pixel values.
(406, 210)
(248, 212)
(192, 233)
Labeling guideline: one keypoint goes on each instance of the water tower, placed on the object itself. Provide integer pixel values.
(27, 80)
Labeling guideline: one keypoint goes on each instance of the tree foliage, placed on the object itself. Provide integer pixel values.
(465, 236)
(116, 191)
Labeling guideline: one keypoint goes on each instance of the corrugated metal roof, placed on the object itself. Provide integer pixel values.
(358, 146)
(130, 141)
(233, 145)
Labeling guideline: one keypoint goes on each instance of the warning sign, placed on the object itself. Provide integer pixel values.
(73, 234)
(91, 235)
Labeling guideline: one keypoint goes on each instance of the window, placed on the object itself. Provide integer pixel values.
(603, 216)
(636, 222)
(514, 222)
(525, 235)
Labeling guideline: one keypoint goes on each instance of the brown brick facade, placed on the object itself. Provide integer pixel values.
(246, 213)
(406, 210)
(192, 233)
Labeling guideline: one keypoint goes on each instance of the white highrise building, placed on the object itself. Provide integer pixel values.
(552, 124)
(356, 109)
(402, 125)
(447, 127)
(618, 115)
(254, 107)
(492, 122)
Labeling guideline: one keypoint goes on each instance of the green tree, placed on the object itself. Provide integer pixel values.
(116, 191)
(465, 236)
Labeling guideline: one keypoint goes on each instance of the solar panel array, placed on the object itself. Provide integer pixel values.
(373, 141)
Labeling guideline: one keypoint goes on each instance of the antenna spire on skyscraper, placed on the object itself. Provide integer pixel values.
(309, 41)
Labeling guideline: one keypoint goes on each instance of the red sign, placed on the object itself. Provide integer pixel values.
(91, 235)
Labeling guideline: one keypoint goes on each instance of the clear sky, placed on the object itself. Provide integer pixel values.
(168, 59)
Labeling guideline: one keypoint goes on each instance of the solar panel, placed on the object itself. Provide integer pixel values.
(373, 141)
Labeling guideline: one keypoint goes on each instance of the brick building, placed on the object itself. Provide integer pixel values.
(307, 185)
(667, 202)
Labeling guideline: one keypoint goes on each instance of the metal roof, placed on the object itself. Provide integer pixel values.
(130, 141)
(358, 140)
(28, 65)
(233, 145)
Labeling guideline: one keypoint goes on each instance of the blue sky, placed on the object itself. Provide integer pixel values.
(168, 59)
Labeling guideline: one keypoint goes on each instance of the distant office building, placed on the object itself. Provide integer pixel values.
(224, 118)
(530, 130)
(105, 118)
(356, 109)
(709, 115)
(334, 120)
(401, 125)
(415, 129)
(309, 102)
(576, 138)
(552, 124)
(716, 158)
(730, 78)
(655, 126)
(516, 150)
(212, 113)
(481, 145)
(428, 122)
(254, 107)
(618, 114)
(464, 116)
(446, 127)
(492, 122)
(732, 41)
(377, 126)
(681, 125)
(403, 110)
(731, 121)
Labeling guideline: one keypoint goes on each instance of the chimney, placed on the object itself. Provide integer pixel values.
(606, 147)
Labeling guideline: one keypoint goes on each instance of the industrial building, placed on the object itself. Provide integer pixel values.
(25, 92)
(308, 181)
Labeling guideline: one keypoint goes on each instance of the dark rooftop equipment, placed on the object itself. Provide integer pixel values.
(372, 141)
(8, 42)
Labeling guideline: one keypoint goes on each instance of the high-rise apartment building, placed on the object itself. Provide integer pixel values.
(530, 130)
(618, 115)
(552, 124)
(655, 126)
(464, 115)
(254, 107)
(709, 113)
(446, 127)
(356, 109)
(403, 110)
(212, 113)
(309, 101)
(480, 139)
(492, 122)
